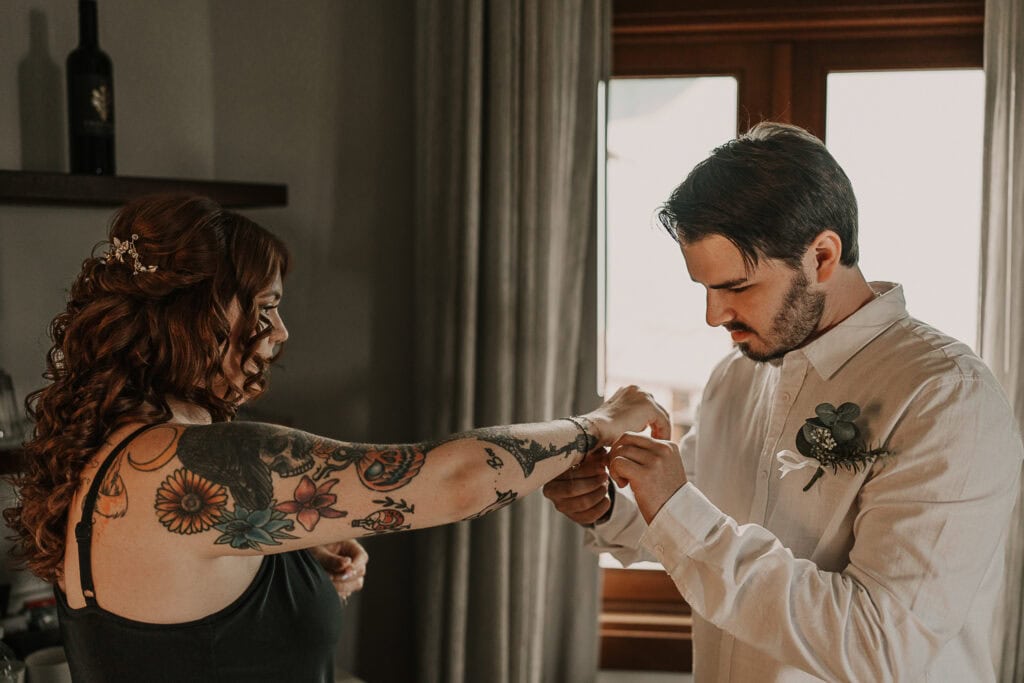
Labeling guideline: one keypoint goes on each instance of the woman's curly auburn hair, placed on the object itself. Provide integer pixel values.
(128, 341)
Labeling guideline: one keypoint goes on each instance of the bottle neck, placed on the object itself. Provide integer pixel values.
(88, 36)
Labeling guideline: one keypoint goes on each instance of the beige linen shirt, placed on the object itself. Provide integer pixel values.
(892, 573)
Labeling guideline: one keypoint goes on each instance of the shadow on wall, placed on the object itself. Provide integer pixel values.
(41, 101)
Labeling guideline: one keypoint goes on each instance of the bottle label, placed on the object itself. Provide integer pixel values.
(95, 96)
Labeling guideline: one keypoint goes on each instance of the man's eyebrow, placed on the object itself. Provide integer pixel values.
(729, 284)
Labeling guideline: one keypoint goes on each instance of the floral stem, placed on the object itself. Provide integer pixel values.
(820, 471)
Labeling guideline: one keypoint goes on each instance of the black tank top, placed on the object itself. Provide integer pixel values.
(283, 628)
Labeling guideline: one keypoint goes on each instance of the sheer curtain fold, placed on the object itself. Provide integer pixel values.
(505, 211)
(1002, 269)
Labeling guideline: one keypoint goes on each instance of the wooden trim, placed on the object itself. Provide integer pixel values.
(812, 62)
(646, 20)
(653, 590)
(645, 625)
(782, 76)
(782, 82)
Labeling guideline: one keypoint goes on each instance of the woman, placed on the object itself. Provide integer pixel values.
(177, 539)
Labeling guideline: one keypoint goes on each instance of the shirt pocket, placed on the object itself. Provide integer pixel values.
(817, 523)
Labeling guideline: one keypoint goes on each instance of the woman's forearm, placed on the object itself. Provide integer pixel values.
(492, 467)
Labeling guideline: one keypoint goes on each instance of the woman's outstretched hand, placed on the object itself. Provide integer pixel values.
(629, 409)
(345, 562)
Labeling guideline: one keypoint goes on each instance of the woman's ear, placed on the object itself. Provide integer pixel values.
(823, 255)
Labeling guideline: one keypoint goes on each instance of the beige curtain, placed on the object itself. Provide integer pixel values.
(1002, 286)
(505, 217)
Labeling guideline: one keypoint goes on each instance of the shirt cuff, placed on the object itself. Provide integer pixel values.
(624, 514)
(620, 535)
(681, 526)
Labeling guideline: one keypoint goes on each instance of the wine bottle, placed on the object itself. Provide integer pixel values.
(90, 78)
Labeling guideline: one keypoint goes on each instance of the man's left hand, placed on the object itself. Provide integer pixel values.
(651, 467)
(345, 562)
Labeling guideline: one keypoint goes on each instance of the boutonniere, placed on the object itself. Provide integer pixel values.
(829, 439)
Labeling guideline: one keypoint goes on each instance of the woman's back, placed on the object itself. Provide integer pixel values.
(282, 624)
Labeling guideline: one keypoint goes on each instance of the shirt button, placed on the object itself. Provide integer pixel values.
(764, 474)
(785, 396)
(660, 548)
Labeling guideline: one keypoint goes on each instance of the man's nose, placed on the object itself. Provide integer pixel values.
(717, 311)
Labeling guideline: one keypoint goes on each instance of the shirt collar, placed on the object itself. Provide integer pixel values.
(832, 350)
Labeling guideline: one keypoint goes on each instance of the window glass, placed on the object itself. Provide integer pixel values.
(911, 143)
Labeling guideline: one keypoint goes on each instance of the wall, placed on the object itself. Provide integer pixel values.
(313, 94)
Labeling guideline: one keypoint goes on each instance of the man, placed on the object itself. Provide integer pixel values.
(839, 510)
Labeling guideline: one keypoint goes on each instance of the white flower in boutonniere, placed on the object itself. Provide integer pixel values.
(830, 439)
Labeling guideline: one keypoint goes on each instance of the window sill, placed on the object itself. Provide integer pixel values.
(645, 625)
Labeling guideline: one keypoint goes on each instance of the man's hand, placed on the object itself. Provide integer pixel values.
(345, 562)
(651, 467)
(582, 494)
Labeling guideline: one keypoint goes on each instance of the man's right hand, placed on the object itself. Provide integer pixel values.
(582, 494)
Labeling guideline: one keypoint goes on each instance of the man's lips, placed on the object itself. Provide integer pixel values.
(740, 335)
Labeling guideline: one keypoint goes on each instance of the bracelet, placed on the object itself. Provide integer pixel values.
(586, 438)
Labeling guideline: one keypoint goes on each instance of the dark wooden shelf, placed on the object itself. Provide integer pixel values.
(64, 189)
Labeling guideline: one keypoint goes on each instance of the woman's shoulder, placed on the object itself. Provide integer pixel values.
(157, 446)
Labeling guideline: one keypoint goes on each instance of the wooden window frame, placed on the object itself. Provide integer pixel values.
(781, 55)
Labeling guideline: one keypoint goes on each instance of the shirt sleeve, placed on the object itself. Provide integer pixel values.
(620, 534)
(931, 518)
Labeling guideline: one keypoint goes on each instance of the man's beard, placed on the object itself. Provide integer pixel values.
(796, 321)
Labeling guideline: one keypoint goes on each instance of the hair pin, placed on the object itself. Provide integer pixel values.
(119, 248)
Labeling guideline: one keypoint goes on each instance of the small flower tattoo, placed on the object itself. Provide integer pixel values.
(311, 503)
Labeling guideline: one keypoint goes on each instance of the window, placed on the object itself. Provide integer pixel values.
(867, 78)
(658, 129)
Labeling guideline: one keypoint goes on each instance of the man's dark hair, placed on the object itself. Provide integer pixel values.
(770, 192)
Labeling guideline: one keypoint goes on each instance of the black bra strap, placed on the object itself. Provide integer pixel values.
(83, 530)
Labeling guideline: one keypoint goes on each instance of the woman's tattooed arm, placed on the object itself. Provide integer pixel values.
(266, 488)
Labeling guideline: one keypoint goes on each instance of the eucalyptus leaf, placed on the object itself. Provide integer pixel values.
(843, 431)
(826, 412)
(848, 411)
(803, 445)
(808, 431)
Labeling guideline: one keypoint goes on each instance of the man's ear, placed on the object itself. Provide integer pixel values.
(823, 255)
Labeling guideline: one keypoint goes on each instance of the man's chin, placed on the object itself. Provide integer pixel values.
(760, 355)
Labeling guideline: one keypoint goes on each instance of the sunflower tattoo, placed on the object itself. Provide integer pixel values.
(187, 503)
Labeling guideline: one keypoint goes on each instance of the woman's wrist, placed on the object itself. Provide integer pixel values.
(598, 427)
(588, 438)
